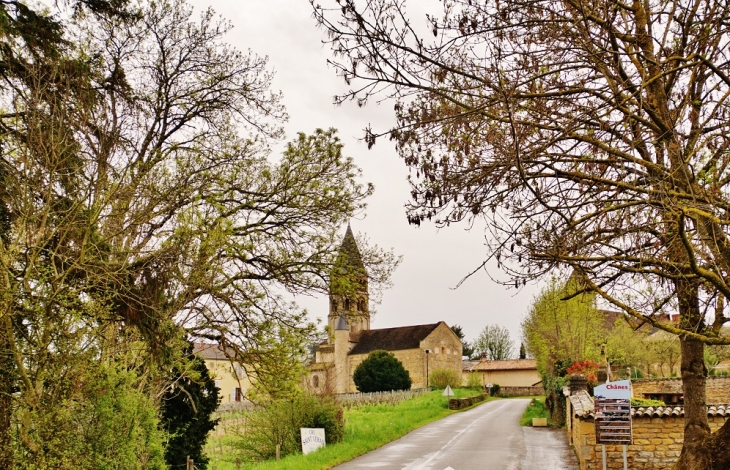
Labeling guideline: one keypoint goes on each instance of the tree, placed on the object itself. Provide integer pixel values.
(558, 331)
(187, 407)
(495, 342)
(141, 204)
(467, 349)
(523, 351)
(379, 372)
(589, 137)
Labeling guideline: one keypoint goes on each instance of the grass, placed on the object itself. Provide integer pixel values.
(536, 409)
(366, 429)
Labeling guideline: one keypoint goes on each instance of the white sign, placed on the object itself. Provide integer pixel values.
(621, 389)
(448, 392)
(612, 416)
(312, 439)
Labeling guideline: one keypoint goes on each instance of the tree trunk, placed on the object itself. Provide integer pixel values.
(701, 450)
(6, 390)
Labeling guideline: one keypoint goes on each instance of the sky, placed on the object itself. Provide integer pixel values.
(434, 260)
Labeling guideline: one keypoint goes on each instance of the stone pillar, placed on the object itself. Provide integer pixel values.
(342, 372)
(577, 382)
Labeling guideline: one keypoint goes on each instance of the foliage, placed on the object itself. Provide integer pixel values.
(381, 371)
(279, 423)
(495, 342)
(467, 348)
(554, 399)
(186, 411)
(494, 390)
(523, 351)
(561, 328)
(474, 381)
(140, 202)
(440, 378)
(646, 402)
(590, 139)
(536, 409)
(98, 418)
(587, 368)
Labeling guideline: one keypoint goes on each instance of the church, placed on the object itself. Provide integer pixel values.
(421, 348)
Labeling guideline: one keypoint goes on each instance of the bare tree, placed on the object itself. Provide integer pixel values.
(591, 136)
(494, 342)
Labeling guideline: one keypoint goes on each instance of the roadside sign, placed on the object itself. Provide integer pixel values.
(612, 403)
(448, 392)
(312, 439)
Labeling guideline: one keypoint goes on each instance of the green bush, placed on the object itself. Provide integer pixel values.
(474, 381)
(494, 390)
(381, 371)
(646, 402)
(279, 422)
(440, 378)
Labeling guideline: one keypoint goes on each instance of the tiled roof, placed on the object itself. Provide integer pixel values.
(583, 408)
(211, 351)
(392, 339)
(512, 364)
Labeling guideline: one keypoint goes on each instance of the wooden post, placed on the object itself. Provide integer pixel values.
(238, 463)
(278, 451)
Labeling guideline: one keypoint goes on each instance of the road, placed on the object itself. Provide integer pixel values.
(487, 437)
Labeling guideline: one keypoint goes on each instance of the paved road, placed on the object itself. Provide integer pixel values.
(486, 437)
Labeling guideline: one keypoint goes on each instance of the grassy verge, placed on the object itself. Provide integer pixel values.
(367, 429)
(536, 409)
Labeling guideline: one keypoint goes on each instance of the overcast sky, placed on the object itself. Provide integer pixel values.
(433, 260)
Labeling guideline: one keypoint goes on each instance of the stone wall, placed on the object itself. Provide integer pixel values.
(657, 443)
(718, 388)
(445, 353)
(521, 391)
(657, 440)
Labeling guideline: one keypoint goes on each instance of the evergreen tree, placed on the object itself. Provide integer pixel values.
(380, 372)
(187, 407)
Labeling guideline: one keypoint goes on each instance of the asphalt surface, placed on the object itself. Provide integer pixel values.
(488, 437)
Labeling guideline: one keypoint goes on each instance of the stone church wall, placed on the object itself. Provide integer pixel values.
(445, 353)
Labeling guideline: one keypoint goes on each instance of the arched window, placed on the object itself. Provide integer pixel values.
(315, 381)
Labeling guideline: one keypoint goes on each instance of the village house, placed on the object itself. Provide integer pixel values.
(230, 377)
(506, 373)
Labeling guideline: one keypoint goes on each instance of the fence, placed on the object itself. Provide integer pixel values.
(352, 400)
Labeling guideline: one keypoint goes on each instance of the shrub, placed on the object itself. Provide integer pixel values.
(494, 390)
(440, 378)
(279, 422)
(587, 368)
(646, 402)
(474, 381)
(381, 371)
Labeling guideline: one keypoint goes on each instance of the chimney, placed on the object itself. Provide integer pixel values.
(484, 357)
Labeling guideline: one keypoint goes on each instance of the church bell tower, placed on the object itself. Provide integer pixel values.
(349, 296)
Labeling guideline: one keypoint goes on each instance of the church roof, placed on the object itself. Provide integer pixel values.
(350, 251)
(393, 339)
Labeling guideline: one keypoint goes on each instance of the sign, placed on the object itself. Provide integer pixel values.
(612, 403)
(448, 392)
(312, 439)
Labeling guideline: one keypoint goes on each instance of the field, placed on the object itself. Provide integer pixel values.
(367, 428)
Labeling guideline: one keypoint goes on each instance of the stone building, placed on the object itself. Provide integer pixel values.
(421, 348)
(230, 377)
(506, 373)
